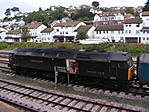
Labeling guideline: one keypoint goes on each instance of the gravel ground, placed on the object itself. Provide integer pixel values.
(74, 90)
(8, 108)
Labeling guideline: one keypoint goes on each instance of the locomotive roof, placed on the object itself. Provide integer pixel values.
(119, 56)
(45, 52)
(103, 55)
(96, 55)
(144, 58)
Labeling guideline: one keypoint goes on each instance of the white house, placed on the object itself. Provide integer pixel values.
(65, 31)
(145, 18)
(108, 33)
(47, 35)
(89, 29)
(35, 31)
(13, 36)
(20, 23)
(131, 31)
(65, 19)
(108, 16)
(2, 35)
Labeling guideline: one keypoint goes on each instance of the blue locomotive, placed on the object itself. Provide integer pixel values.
(143, 69)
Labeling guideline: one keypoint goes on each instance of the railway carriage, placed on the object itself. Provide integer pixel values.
(143, 69)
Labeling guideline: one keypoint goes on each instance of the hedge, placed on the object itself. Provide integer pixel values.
(133, 49)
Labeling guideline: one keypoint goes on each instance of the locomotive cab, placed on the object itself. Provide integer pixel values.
(143, 69)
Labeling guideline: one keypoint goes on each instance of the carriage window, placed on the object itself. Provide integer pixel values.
(129, 62)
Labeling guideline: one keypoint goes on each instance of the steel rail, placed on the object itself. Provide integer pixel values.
(65, 96)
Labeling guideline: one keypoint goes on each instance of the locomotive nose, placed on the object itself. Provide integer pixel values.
(131, 71)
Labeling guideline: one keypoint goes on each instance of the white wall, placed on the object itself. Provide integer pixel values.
(145, 21)
(67, 31)
(47, 37)
(2, 36)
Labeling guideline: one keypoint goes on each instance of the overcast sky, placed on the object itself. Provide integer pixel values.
(31, 5)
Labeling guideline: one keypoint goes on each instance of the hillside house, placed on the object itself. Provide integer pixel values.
(132, 31)
(65, 31)
(116, 17)
(35, 31)
(13, 36)
(47, 35)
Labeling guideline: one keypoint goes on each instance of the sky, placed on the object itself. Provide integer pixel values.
(33, 5)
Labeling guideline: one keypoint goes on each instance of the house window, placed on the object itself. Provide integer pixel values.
(66, 32)
(129, 25)
(126, 25)
(121, 38)
(112, 32)
(138, 25)
(129, 31)
(57, 30)
(144, 38)
(125, 31)
(147, 38)
(96, 32)
(137, 31)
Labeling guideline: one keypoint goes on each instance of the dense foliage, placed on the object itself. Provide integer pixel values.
(130, 10)
(40, 16)
(133, 49)
(146, 7)
(83, 14)
(95, 4)
(59, 13)
(25, 34)
(81, 35)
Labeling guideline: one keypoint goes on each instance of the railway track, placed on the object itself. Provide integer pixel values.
(4, 60)
(44, 101)
(135, 90)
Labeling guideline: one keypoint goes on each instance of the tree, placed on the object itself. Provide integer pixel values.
(59, 13)
(95, 4)
(40, 16)
(25, 34)
(130, 10)
(83, 14)
(14, 9)
(105, 9)
(7, 12)
(40, 9)
(81, 35)
(146, 7)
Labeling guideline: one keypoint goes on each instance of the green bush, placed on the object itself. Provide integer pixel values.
(133, 49)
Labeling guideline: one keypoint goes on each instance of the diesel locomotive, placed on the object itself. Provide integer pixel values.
(91, 67)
